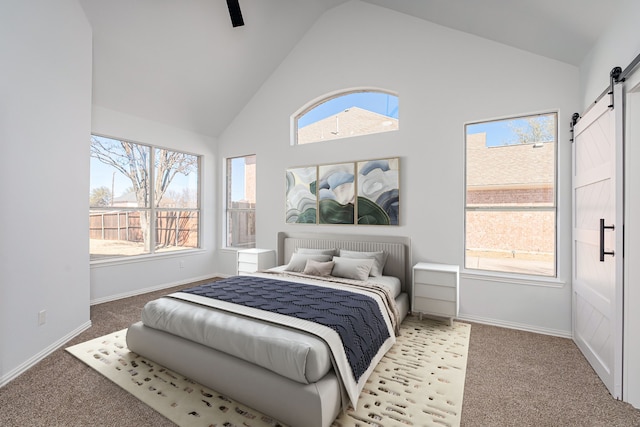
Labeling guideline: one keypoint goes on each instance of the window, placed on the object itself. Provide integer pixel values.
(346, 115)
(241, 202)
(510, 198)
(143, 199)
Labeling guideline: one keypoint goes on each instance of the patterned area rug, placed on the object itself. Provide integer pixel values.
(419, 382)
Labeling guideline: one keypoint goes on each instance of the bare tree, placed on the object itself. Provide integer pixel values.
(168, 165)
(533, 129)
(133, 161)
(186, 198)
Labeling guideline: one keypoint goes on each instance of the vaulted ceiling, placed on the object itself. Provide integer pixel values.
(180, 62)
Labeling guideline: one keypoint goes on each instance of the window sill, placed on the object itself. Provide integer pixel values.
(229, 250)
(144, 258)
(513, 279)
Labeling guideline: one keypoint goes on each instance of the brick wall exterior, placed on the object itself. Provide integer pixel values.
(510, 176)
(351, 122)
(503, 231)
(522, 196)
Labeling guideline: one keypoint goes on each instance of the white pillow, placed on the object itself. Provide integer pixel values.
(352, 268)
(317, 268)
(299, 261)
(380, 259)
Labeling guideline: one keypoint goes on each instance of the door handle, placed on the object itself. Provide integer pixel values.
(602, 228)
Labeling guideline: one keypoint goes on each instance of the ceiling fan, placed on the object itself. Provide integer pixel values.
(235, 13)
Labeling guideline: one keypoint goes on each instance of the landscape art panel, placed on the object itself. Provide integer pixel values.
(378, 191)
(301, 199)
(336, 193)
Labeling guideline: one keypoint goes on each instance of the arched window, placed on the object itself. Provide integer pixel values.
(346, 114)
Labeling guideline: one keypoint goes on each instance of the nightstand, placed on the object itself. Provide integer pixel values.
(435, 290)
(252, 260)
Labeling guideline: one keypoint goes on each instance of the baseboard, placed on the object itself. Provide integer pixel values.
(518, 326)
(153, 289)
(5, 379)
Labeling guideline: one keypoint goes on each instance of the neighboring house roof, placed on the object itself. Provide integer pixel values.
(513, 166)
(127, 200)
(127, 197)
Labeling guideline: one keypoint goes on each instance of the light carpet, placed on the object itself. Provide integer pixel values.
(419, 382)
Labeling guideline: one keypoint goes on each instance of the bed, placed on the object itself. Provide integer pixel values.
(233, 350)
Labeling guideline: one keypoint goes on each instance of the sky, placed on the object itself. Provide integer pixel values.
(499, 132)
(377, 102)
(237, 179)
(102, 176)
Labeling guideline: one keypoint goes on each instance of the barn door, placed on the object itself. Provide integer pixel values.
(597, 239)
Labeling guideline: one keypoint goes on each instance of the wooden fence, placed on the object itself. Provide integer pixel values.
(173, 228)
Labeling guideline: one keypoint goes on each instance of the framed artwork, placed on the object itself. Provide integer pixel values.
(378, 191)
(301, 198)
(336, 194)
(356, 193)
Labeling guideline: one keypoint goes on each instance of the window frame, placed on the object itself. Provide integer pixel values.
(519, 277)
(152, 209)
(326, 98)
(228, 210)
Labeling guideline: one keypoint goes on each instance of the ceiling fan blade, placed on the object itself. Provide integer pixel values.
(235, 13)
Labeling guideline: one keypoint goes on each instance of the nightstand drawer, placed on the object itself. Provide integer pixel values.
(435, 277)
(247, 257)
(446, 293)
(247, 267)
(434, 306)
(254, 259)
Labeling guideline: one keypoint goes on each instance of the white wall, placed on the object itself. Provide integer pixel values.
(45, 118)
(444, 78)
(618, 47)
(111, 280)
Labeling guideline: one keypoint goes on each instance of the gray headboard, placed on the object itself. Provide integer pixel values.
(398, 249)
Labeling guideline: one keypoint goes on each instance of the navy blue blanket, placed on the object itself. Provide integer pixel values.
(355, 317)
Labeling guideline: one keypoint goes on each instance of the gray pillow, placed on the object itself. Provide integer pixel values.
(317, 268)
(352, 268)
(332, 251)
(379, 257)
(299, 261)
